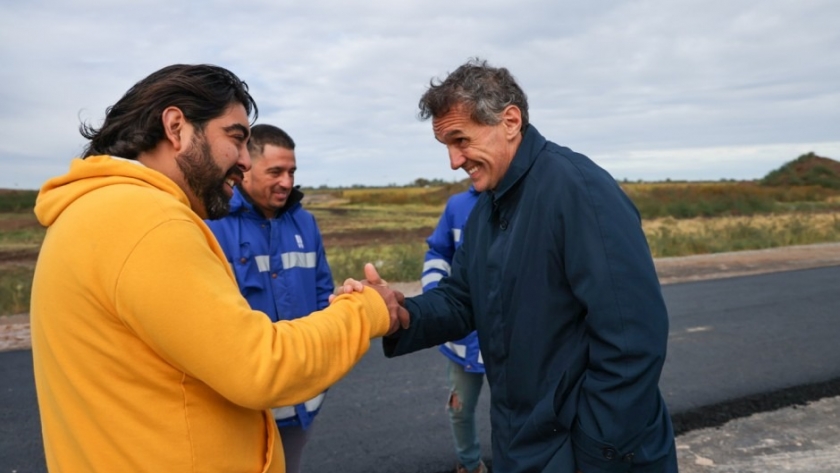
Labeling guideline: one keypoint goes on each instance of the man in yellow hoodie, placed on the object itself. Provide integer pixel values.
(146, 356)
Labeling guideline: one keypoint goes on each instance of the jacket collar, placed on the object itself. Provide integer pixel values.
(526, 154)
(241, 202)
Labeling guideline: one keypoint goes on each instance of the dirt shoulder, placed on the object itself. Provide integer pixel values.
(725, 265)
(14, 330)
(744, 263)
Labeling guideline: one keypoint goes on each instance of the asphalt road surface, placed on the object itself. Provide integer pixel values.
(730, 339)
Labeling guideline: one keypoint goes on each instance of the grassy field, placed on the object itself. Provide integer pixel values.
(388, 226)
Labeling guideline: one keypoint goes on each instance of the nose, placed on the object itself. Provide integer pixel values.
(244, 161)
(456, 158)
(286, 181)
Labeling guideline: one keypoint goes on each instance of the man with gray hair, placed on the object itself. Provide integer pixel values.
(555, 274)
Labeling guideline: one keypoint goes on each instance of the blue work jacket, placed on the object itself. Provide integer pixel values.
(556, 276)
(281, 269)
(438, 264)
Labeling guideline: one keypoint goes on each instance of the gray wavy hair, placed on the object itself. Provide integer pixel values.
(483, 90)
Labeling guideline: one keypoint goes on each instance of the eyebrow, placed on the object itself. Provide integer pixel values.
(449, 134)
(239, 127)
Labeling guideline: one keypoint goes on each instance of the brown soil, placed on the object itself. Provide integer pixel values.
(19, 221)
(14, 330)
(23, 255)
(374, 237)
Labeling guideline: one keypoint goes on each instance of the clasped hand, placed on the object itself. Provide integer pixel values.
(394, 300)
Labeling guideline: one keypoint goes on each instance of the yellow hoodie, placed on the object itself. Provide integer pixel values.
(146, 356)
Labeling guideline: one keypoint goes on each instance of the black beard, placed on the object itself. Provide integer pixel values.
(204, 177)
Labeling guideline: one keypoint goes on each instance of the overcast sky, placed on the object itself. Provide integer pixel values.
(649, 89)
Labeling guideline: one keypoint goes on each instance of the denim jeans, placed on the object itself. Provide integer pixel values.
(465, 388)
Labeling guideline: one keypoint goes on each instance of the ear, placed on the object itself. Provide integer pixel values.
(174, 126)
(512, 119)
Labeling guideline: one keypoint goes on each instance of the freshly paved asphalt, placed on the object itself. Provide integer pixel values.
(730, 339)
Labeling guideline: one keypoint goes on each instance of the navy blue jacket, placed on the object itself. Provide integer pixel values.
(556, 276)
(281, 269)
(438, 264)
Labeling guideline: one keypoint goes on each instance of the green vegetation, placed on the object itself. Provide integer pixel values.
(15, 286)
(796, 204)
(671, 237)
(422, 195)
(806, 170)
(374, 220)
(16, 201)
(394, 262)
(20, 230)
(690, 200)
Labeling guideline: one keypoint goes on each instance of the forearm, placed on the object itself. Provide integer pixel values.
(199, 323)
(314, 352)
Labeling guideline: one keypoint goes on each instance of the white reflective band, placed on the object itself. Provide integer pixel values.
(430, 278)
(480, 358)
(314, 403)
(296, 259)
(459, 350)
(311, 405)
(456, 235)
(437, 264)
(283, 412)
(263, 263)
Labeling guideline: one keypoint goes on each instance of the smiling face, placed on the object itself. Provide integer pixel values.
(215, 160)
(483, 151)
(271, 179)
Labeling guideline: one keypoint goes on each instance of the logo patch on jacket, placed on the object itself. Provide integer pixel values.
(299, 241)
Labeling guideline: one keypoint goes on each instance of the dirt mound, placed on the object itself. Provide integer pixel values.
(806, 170)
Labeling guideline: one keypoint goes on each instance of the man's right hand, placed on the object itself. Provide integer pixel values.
(394, 300)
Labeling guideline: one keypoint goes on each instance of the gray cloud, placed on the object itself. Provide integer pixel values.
(644, 88)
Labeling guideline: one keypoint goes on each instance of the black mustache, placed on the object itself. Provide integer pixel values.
(235, 171)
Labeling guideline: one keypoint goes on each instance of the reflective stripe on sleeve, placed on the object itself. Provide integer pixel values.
(438, 264)
(430, 278)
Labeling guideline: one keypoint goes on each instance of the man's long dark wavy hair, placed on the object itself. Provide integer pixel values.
(133, 125)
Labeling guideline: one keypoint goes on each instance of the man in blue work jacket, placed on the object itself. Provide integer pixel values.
(465, 367)
(556, 275)
(274, 247)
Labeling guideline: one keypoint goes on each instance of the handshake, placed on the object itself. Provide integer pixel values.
(394, 300)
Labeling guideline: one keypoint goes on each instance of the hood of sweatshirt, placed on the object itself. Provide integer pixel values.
(96, 172)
